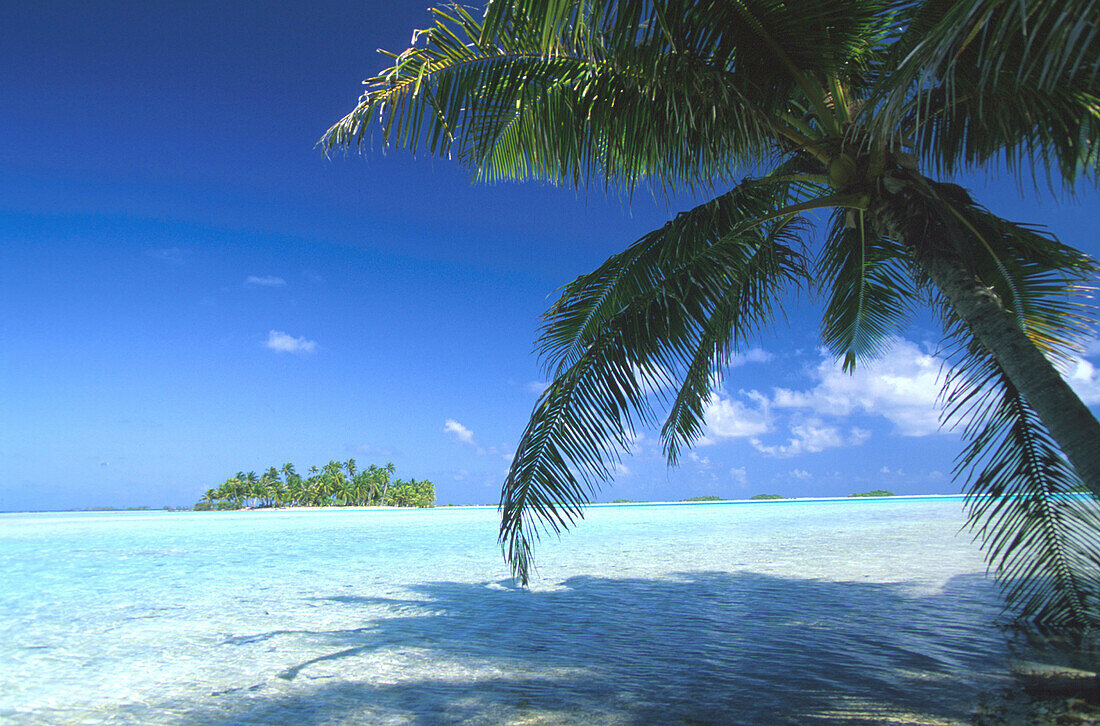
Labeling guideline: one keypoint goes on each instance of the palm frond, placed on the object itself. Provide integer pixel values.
(568, 112)
(676, 119)
(1056, 132)
(1024, 501)
(871, 294)
(587, 303)
(1044, 284)
(682, 94)
(972, 79)
(1043, 43)
(422, 97)
(813, 35)
(751, 301)
(643, 317)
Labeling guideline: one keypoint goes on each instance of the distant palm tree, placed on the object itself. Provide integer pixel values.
(384, 475)
(252, 490)
(843, 105)
(271, 486)
(233, 489)
(359, 489)
(297, 492)
(331, 482)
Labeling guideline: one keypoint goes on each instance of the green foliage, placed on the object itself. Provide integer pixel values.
(203, 507)
(841, 103)
(703, 498)
(334, 484)
(982, 79)
(763, 497)
(411, 493)
(873, 493)
(1024, 499)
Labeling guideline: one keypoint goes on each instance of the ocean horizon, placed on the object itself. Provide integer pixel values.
(787, 611)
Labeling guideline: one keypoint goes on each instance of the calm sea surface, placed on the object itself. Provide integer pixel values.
(786, 613)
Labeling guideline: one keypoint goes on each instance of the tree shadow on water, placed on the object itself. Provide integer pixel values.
(698, 648)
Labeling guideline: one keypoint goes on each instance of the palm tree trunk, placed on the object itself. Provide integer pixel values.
(1067, 418)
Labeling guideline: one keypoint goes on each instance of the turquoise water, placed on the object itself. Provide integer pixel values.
(784, 612)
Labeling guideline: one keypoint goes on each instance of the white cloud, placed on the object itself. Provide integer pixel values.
(1085, 380)
(537, 387)
(621, 469)
(729, 418)
(702, 461)
(283, 343)
(636, 441)
(902, 387)
(857, 436)
(739, 475)
(268, 281)
(756, 355)
(801, 474)
(810, 437)
(371, 450)
(459, 432)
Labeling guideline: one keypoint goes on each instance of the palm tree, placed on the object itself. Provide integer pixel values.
(331, 482)
(252, 488)
(359, 489)
(297, 491)
(384, 475)
(845, 105)
(272, 487)
(232, 489)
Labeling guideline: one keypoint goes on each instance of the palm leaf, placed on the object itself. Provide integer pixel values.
(1024, 501)
(685, 95)
(751, 300)
(812, 35)
(641, 318)
(973, 79)
(871, 291)
(566, 113)
(1041, 282)
(584, 306)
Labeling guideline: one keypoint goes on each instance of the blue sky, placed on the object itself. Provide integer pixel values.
(189, 288)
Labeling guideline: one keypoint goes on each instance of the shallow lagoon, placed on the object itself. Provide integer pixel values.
(764, 612)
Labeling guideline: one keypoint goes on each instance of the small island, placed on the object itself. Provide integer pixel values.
(765, 497)
(873, 493)
(704, 498)
(336, 484)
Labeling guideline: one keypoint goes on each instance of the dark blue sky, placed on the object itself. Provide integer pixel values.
(189, 288)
